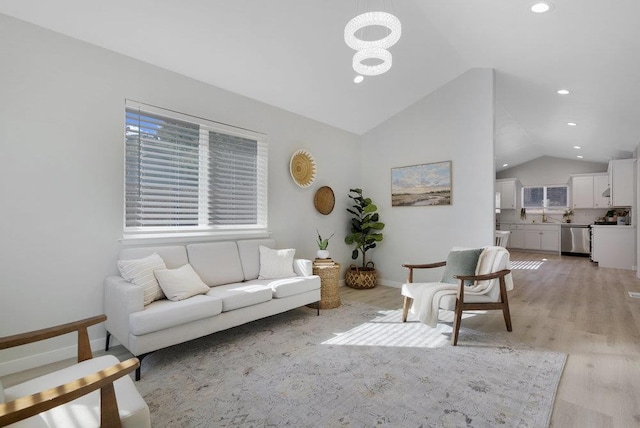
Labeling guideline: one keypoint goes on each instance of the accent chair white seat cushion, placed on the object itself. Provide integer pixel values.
(83, 412)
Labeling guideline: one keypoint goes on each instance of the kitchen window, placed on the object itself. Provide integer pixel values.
(187, 174)
(545, 197)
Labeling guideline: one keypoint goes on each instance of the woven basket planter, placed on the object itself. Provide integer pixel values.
(361, 277)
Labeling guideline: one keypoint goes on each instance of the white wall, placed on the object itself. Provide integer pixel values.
(453, 123)
(547, 170)
(61, 174)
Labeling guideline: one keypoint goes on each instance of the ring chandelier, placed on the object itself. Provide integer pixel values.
(372, 49)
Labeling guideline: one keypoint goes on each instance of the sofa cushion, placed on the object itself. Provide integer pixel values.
(140, 272)
(236, 296)
(83, 411)
(285, 287)
(217, 263)
(276, 264)
(250, 255)
(163, 314)
(173, 256)
(181, 283)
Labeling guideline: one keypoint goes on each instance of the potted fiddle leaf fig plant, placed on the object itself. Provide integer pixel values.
(365, 235)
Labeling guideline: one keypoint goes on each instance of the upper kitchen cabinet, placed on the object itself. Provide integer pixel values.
(508, 189)
(587, 190)
(621, 182)
(600, 186)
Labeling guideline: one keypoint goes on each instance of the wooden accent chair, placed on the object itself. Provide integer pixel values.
(69, 397)
(488, 292)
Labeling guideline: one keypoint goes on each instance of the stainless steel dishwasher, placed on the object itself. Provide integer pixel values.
(575, 240)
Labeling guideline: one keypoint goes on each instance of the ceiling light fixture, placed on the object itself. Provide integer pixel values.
(358, 79)
(571, 124)
(505, 165)
(540, 7)
(563, 91)
(577, 147)
(579, 156)
(372, 49)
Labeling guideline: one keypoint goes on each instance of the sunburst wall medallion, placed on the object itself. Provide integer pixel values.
(302, 168)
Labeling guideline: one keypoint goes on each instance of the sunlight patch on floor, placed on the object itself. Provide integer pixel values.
(527, 264)
(387, 329)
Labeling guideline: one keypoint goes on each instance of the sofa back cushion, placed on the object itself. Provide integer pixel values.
(173, 256)
(216, 263)
(249, 250)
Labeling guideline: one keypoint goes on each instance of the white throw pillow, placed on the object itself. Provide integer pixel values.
(181, 283)
(276, 264)
(140, 272)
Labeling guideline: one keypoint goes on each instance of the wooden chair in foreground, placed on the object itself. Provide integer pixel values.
(93, 392)
(488, 292)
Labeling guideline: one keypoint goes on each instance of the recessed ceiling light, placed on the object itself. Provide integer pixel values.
(358, 79)
(577, 147)
(563, 91)
(505, 165)
(579, 156)
(571, 124)
(540, 7)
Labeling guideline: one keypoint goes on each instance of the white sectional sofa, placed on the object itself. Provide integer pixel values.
(236, 295)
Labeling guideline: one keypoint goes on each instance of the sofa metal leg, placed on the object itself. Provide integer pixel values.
(318, 314)
(139, 369)
(106, 342)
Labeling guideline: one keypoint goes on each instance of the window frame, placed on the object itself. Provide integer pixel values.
(544, 197)
(205, 231)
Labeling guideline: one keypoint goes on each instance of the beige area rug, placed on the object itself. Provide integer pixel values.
(354, 366)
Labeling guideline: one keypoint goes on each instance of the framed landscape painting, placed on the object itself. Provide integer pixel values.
(421, 185)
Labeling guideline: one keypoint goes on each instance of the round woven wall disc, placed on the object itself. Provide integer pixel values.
(324, 200)
(302, 168)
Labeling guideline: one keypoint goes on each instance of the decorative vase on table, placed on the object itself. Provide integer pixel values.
(322, 254)
(323, 243)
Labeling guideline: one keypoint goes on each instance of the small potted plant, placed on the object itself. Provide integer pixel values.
(567, 215)
(323, 253)
(365, 235)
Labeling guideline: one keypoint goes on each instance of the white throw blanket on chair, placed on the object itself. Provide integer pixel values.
(426, 296)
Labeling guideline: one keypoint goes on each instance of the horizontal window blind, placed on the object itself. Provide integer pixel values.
(184, 175)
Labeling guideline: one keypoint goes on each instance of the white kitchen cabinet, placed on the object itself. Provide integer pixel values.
(587, 190)
(600, 185)
(542, 237)
(621, 173)
(613, 246)
(582, 190)
(508, 189)
(516, 238)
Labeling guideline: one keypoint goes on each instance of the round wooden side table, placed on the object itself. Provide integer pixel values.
(329, 274)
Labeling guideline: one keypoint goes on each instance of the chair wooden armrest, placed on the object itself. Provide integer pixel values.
(84, 347)
(26, 407)
(422, 266)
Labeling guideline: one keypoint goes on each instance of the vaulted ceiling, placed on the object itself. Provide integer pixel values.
(291, 54)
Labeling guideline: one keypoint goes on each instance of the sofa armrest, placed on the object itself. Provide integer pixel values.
(303, 267)
(121, 299)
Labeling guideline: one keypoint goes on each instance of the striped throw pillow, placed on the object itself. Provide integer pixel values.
(140, 272)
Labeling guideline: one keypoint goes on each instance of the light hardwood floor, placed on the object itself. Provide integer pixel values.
(568, 304)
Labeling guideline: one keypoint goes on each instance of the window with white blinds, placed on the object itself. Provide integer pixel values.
(184, 173)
